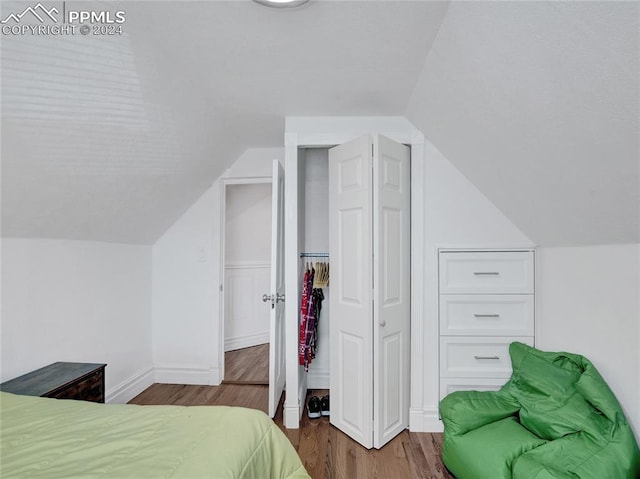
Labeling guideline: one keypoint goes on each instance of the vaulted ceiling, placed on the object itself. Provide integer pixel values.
(537, 103)
(112, 137)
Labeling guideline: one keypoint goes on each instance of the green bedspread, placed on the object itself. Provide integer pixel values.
(49, 438)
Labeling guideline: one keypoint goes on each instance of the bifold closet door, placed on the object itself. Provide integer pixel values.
(369, 301)
(392, 288)
(351, 250)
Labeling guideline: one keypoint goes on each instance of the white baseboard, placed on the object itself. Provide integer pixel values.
(416, 420)
(232, 344)
(425, 420)
(187, 375)
(215, 378)
(130, 388)
(294, 405)
(291, 416)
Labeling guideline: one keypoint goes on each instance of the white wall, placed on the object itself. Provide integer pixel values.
(255, 162)
(457, 214)
(78, 301)
(316, 240)
(248, 223)
(184, 298)
(186, 294)
(537, 103)
(589, 304)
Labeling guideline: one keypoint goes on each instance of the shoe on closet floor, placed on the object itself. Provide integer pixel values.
(324, 406)
(313, 408)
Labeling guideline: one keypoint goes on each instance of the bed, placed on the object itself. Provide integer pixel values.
(52, 438)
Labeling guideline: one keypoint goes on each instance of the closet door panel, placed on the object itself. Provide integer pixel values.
(350, 232)
(391, 288)
(350, 249)
(392, 394)
(352, 385)
(391, 258)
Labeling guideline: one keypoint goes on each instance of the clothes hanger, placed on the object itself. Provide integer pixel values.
(318, 275)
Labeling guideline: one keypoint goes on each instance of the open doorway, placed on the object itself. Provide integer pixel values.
(247, 269)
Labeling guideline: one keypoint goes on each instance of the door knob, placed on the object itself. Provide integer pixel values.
(277, 298)
(383, 323)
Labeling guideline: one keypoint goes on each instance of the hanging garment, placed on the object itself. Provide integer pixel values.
(310, 307)
(317, 296)
(311, 327)
(307, 283)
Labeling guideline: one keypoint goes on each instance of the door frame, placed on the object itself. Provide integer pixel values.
(309, 132)
(226, 182)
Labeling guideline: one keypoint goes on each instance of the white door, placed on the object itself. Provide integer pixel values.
(276, 294)
(350, 321)
(370, 303)
(392, 284)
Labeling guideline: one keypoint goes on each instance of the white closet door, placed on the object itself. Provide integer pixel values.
(276, 293)
(392, 299)
(350, 321)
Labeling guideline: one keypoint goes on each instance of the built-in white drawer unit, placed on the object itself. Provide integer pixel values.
(486, 302)
(500, 272)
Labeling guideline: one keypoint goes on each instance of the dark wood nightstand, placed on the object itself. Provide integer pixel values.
(83, 381)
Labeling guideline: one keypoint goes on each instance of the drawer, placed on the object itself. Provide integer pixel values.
(449, 385)
(477, 356)
(90, 388)
(486, 315)
(509, 272)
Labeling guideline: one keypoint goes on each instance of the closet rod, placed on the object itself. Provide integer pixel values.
(314, 255)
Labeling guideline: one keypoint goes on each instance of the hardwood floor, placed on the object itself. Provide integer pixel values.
(326, 452)
(254, 397)
(247, 366)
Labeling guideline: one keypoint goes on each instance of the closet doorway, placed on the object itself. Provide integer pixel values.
(247, 270)
(301, 135)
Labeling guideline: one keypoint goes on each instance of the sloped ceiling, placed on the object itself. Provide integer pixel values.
(537, 103)
(112, 138)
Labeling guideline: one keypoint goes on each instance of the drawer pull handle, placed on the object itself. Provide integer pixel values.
(486, 273)
(487, 357)
(476, 315)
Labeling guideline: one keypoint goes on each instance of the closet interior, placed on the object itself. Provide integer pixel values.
(313, 227)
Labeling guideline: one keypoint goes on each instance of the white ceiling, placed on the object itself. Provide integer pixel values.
(537, 103)
(112, 138)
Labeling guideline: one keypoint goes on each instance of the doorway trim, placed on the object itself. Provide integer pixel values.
(308, 132)
(225, 182)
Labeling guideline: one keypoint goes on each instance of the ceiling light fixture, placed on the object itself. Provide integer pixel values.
(281, 3)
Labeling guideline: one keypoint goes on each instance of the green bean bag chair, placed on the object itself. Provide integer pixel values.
(555, 418)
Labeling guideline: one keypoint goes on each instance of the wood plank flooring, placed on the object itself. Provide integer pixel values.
(326, 452)
(247, 365)
(254, 397)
